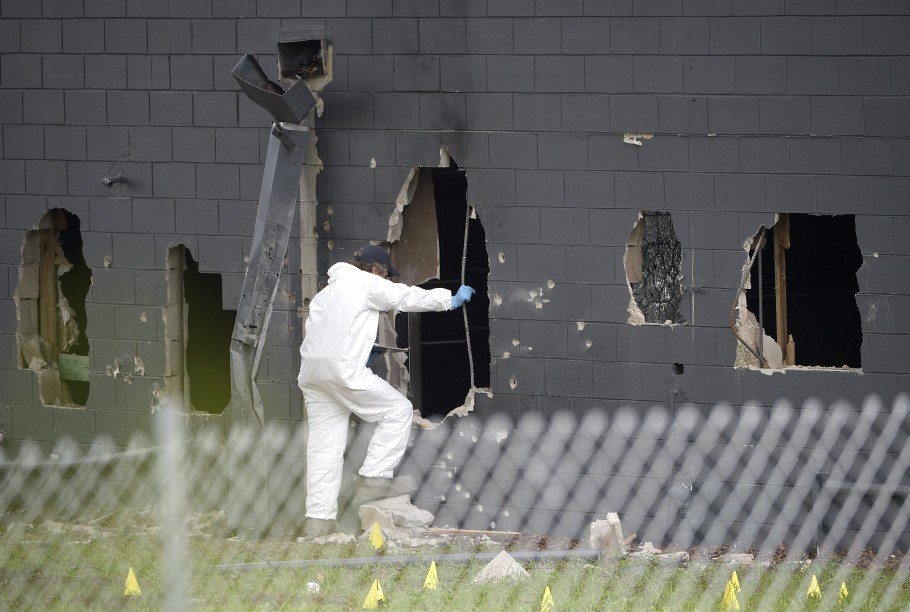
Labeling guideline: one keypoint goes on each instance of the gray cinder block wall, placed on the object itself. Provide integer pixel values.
(755, 108)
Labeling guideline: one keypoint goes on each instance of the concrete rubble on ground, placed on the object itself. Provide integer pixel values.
(606, 535)
(502, 566)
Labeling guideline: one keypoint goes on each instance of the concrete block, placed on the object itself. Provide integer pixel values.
(125, 36)
(193, 72)
(509, 8)
(489, 36)
(608, 74)
(733, 114)
(61, 142)
(564, 226)
(682, 114)
(815, 155)
(735, 35)
(416, 73)
(134, 251)
(236, 218)
(111, 286)
(764, 154)
(536, 112)
(150, 143)
(65, 72)
(95, 247)
(214, 36)
(23, 142)
(11, 106)
(370, 73)
(351, 184)
(30, 422)
(784, 115)
(151, 285)
(836, 115)
(199, 144)
(20, 70)
(442, 36)
(689, 191)
(640, 190)
(900, 75)
(514, 225)
(220, 254)
(469, 149)
(417, 148)
(40, 35)
(12, 174)
(104, 8)
(589, 189)
(215, 108)
(837, 36)
(513, 150)
(568, 378)
(82, 107)
(510, 73)
(684, 36)
(136, 322)
(559, 73)
(791, 193)
(110, 215)
(864, 76)
(363, 146)
(713, 154)
(45, 177)
(886, 116)
(395, 36)
(10, 41)
(635, 113)
(259, 35)
(585, 35)
(169, 36)
(537, 36)
(740, 192)
(127, 107)
(886, 35)
(174, 180)
(463, 73)
(811, 75)
(635, 35)
(617, 379)
(658, 74)
(495, 187)
(216, 181)
(760, 75)
(107, 143)
(542, 339)
(872, 156)
(442, 111)
(562, 151)
(457, 8)
(664, 153)
(786, 35)
(46, 106)
(714, 230)
(841, 195)
(486, 111)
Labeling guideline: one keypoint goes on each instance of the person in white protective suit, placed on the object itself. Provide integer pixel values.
(340, 331)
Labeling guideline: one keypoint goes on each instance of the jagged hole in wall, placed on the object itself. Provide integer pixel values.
(198, 333)
(53, 282)
(652, 264)
(807, 292)
(429, 253)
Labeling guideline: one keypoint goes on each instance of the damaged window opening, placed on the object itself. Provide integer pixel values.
(198, 333)
(652, 264)
(53, 283)
(439, 370)
(801, 291)
(300, 59)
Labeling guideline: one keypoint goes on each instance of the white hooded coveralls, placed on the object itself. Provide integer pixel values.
(340, 331)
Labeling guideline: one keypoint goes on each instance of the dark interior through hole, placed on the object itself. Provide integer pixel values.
(821, 266)
(445, 370)
(301, 58)
(208, 342)
(74, 286)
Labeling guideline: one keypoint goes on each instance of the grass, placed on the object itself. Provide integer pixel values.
(51, 567)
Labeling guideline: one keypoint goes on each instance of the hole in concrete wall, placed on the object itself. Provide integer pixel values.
(429, 252)
(50, 297)
(801, 292)
(652, 264)
(198, 335)
(301, 59)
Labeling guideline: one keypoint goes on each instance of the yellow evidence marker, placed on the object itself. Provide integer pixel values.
(375, 597)
(547, 604)
(734, 579)
(730, 601)
(432, 581)
(376, 539)
(844, 594)
(132, 585)
(813, 591)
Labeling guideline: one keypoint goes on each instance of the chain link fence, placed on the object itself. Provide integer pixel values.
(808, 504)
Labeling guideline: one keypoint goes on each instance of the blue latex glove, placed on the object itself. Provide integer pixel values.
(463, 295)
